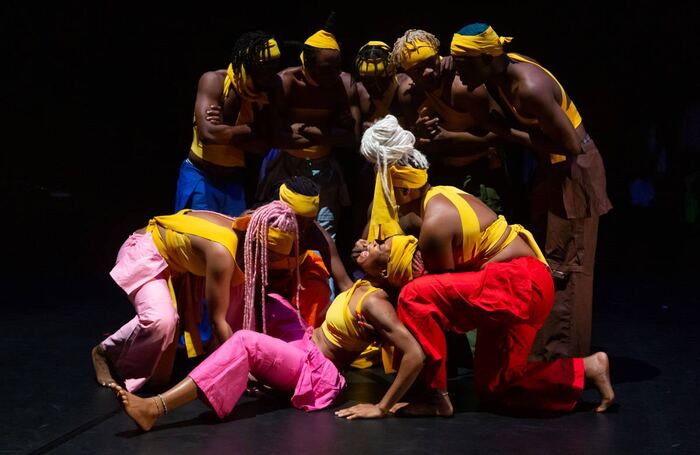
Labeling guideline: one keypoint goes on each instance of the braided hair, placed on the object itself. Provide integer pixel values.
(410, 37)
(275, 214)
(385, 143)
(376, 54)
(248, 48)
(303, 185)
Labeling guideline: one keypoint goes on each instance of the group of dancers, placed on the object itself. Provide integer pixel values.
(255, 260)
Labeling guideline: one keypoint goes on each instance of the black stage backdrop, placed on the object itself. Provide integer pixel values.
(98, 98)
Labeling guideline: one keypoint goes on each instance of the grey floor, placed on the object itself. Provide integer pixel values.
(50, 402)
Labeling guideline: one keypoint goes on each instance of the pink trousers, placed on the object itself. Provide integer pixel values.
(136, 348)
(296, 366)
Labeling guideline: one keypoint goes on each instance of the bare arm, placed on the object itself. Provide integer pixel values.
(208, 94)
(343, 131)
(381, 315)
(219, 270)
(324, 243)
(552, 120)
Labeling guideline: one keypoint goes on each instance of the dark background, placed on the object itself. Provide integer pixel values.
(99, 101)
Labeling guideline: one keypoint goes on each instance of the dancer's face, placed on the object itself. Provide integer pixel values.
(426, 73)
(473, 71)
(373, 257)
(325, 70)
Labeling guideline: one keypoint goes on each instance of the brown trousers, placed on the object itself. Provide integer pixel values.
(570, 250)
(567, 202)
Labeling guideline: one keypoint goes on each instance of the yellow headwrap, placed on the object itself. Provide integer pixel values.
(400, 267)
(240, 80)
(384, 220)
(486, 42)
(301, 205)
(320, 40)
(279, 241)
(372, 67)
(416, 52)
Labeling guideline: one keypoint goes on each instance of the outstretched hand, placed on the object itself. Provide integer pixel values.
(361, 411)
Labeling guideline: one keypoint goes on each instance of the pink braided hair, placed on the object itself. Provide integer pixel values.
(275, 214)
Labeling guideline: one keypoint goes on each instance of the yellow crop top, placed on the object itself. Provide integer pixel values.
(478, 247)
(176, 248)
(340, 327)
(567, 105)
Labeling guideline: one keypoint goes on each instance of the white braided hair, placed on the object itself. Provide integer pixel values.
(385, 143)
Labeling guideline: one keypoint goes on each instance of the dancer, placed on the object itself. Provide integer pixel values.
(569, 194)
(484, 274)
(187, 244)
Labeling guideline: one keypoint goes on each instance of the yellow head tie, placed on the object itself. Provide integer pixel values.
(408, 177)
(373, 67)
(279, 241)
(271, 51)
(243, 84)
(415, 52)
(384, 220)
(320, 40)
(306, 206)
(400, 267)
(486, 42)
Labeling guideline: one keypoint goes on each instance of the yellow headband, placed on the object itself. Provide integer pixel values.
(373, 67)
(306, 206)
(486, 42)
(408, 177)
(384, 220)
(416, 52)
(320, 40)
(400, 267)
(271, 52)
(279, 241)
(243, 83)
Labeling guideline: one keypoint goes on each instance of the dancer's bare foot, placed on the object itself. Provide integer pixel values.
(101, 365)
(143, 411)
(438, 404)
(597, 370)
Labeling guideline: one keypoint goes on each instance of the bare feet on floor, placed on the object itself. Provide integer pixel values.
(438, 404)
(143, 411)
(597, 370)
(101, 365)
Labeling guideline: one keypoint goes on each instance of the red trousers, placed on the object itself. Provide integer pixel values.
(507, 302)
(316, 295)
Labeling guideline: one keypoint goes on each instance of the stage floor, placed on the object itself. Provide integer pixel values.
(645, 317)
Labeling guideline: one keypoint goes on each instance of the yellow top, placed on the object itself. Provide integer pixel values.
(383, 106)
(384, 219)
(340, 327)
(566, 104)
(177, 251)
(478, 247)
(176, 248)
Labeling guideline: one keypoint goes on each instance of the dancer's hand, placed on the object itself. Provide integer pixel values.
(362, 411)
(215, 114)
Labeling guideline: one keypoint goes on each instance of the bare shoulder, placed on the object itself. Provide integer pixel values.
(213, 77)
